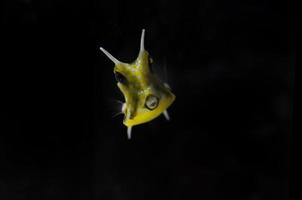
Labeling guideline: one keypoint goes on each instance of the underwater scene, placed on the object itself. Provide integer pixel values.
(125, 100)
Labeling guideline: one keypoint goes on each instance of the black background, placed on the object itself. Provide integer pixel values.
(230, 64)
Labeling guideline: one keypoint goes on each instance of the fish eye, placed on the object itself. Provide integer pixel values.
(120, 78)
(151, 102)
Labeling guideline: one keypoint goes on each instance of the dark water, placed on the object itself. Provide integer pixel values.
(230, 64)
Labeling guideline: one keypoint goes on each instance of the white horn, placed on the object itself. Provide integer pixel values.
(166, 114)
(142, 41)
(129, 130)
(113, 59)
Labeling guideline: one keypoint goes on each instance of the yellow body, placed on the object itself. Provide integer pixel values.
(146, 97)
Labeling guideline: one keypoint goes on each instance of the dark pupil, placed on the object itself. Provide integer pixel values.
(120, 78)
(153, 104)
